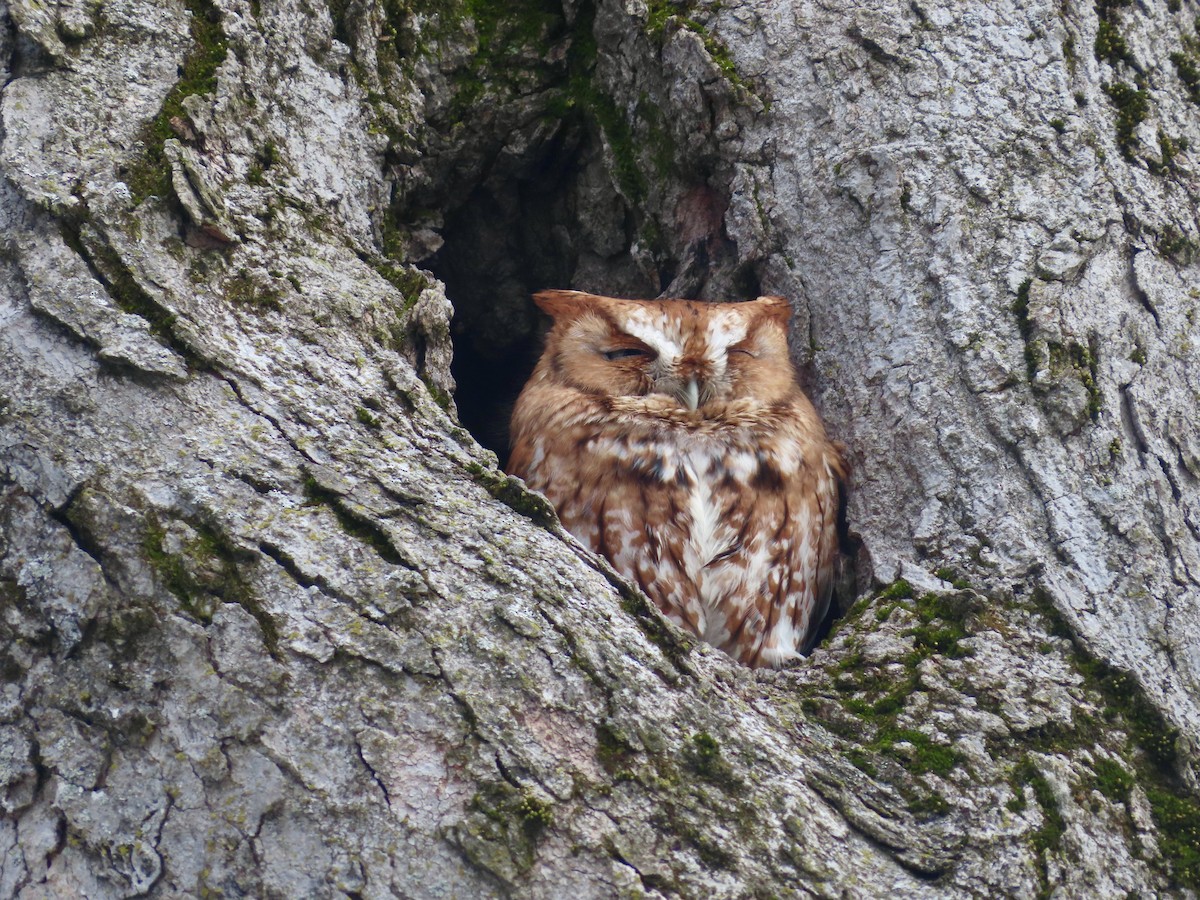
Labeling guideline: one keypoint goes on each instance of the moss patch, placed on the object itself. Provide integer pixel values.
(672, 643)
(1112, 780)
(1175, 246)
(514, 495)
(876, 698)
(206, 572)
(1188, 70)
(916, 751)
(702, 755)
(1152, 754)
(663, 11)
(151, 174)
(1085, 363)
(1110, 44)
(1132, 106)
(1178, 819)
(536, 816)
(355, 524)
(1020, 308)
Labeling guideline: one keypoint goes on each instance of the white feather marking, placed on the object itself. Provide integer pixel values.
(725, 328)
(741, 464)
(708, 536)
(657, 331)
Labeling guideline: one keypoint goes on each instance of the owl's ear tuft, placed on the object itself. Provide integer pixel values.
(563, 304)
(775, 308)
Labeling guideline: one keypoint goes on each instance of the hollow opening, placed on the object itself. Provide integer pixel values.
(557, 222)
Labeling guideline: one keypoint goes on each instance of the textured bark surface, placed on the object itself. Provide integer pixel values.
(273, 623)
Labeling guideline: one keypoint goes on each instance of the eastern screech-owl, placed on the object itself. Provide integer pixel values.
(672, 438)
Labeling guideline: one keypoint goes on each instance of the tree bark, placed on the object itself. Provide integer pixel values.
(273, 622)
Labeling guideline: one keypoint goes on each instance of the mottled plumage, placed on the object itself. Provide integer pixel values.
(672, 438)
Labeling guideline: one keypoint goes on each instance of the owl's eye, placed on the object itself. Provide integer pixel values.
(741, 351)
(624, 353)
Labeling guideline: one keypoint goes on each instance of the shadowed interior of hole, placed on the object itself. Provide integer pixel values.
(511, 238)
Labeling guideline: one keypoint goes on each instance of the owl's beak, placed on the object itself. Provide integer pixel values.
(690, 395)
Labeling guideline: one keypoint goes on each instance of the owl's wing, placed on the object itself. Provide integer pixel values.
(803, 554)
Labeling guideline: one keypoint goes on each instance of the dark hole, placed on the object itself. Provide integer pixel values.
(515, 236)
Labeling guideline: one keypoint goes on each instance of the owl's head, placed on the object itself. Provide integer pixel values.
(698, 353)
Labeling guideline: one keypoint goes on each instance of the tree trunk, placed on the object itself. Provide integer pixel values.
(274, 622)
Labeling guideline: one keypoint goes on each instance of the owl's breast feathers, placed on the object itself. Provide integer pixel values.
(724, 516)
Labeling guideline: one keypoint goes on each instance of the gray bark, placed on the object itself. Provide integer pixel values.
(273, 623)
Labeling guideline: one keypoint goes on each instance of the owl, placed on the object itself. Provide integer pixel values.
(672, 438)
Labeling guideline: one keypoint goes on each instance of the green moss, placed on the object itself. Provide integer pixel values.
(613, 750)
(355, 524)
(861, 761)
(243, 290)
(1173, 245)
(927, 805)
(662, 11)
(508, 34)
(120, 283)
(1148, 729)
(661, 143)
(1167, 149)
(1084, 362)
(514, 495)
(621, 140)
(897, 590)
(1112, 780)
(1177, 816)
(174, 573)
(702, 755)
(632, 137)
(1020, 308)
(1110, 44)
(408, 280)
(205, 573)
(536, 816)
(366, 417)
(879, 699)
(1153, 754)
(921, 755)
(942, 625)
(652, 625)
(713, 854)
(946, 573)
(1087, 363)
(893, 701)
(704, 752)
(150, 175)
(656, 21)
(1189, 73)
(1059, 125)
(1049, 835)
(505, 826)
(1132, 105)
(440, 397)
(264, 159)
